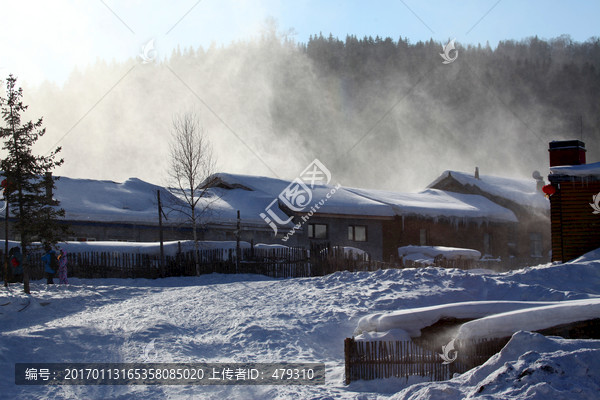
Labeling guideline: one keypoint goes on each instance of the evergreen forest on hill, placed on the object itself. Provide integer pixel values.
(379, 112)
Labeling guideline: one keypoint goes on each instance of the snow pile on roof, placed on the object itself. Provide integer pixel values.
(431, 252)
(437, 203)
(341, 201)
(531, 319)
(134, 201)
(414, 319)
(592, 169)
(520, 191)
(222, 206)
(131, 201)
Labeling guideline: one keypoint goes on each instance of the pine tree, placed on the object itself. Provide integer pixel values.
(29, 178)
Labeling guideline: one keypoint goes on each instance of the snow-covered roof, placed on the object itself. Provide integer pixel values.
(531, 319)
(592, 169)
(342, 202)
(134, 201)
(223, 205)
(106, 201)
(520, 191)
(438, 203)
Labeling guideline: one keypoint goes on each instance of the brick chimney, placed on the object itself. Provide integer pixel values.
(567, 152)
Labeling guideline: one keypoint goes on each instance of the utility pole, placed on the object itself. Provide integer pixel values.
(160, 234)
(6, 238)
(237, 244)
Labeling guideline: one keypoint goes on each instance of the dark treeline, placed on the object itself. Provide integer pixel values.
(559, 74)
(380, 113)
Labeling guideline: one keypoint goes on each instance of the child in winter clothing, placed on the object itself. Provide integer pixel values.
(49, 260)
(62, 267)
(15, 260)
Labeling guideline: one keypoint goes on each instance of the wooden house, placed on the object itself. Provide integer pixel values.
(574, 199)
(277, 211)
(440, 218)
(527, 242)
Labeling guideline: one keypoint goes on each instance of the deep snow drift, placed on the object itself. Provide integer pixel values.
(240, 318)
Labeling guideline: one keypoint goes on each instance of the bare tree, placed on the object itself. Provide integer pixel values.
(192, 163)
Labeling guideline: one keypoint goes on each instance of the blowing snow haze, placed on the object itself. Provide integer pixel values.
(378, 112)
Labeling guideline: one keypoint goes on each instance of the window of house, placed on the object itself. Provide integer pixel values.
(317, 231)
(535, 244)
(357, 233)
(423, 237)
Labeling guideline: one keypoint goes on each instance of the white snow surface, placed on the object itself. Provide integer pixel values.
(592, 169)
(342, 201)
(437, 203)
(106, 201)
(530, 366)
(414, 319)
(239, 318)
(450, 253)
(520, 191)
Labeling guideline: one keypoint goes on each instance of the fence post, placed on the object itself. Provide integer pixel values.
(349, 344)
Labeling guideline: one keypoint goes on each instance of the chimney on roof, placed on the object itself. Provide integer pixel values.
(567, 152)
(476, 172)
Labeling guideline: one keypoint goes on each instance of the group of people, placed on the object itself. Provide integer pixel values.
(54, 261)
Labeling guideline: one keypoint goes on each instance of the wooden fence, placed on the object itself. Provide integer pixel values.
(321, 259)
(273, 262)
(368, 360)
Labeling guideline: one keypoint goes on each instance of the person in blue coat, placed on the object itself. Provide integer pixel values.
(50, 262)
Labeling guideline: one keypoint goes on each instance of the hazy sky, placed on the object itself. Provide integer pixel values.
(46, 40)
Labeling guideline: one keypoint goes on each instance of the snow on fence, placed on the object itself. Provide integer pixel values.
(278, 262)
(367, 360)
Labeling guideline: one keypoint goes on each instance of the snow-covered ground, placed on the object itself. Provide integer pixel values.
(251, 318)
